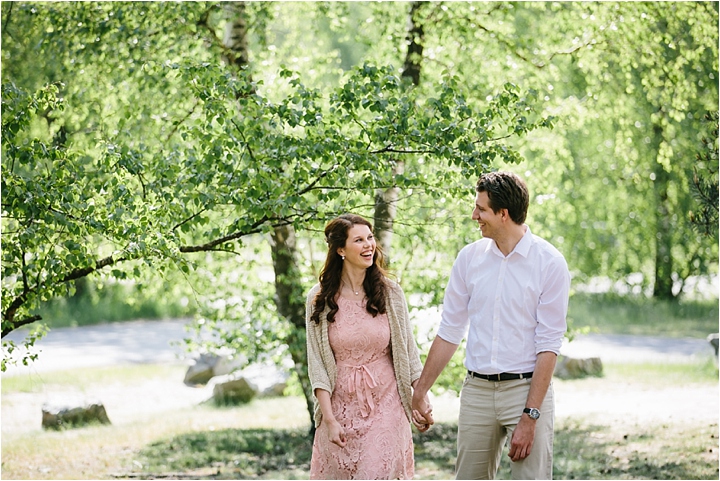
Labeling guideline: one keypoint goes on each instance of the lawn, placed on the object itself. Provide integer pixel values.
(614, 314)
(268, 439)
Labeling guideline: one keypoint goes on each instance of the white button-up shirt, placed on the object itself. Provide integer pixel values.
(511, 308)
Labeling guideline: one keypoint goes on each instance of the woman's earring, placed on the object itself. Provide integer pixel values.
(343, 257)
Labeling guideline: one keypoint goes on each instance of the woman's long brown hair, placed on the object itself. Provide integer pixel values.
(336, 234)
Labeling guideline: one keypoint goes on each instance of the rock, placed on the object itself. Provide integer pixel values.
(274, 390)
(226, 364)
(270, 380)
(198, 374)
(572, 368)
(713, 340)
(208, 366)
(60, 417)
(233, 389)
(201, 371)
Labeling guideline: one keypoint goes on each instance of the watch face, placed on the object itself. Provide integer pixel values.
(534, 413)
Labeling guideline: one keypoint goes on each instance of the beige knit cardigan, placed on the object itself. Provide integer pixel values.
(322, 369)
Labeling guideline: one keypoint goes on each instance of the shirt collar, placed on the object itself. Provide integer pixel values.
(522, 247)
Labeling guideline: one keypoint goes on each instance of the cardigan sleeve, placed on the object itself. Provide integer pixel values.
(412, 348)
(317, 371)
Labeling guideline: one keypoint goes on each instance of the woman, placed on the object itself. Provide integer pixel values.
(362, 359)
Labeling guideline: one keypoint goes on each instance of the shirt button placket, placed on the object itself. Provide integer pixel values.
(496, 313)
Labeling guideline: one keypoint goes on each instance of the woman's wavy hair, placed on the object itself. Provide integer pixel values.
(336, 234)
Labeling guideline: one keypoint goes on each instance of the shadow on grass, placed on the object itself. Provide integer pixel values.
(581, 452)
(650, 452)
(228, 454)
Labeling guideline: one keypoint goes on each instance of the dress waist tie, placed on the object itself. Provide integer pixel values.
(361, 382)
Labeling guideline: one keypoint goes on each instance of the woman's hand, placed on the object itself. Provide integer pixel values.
(422, 412)
(421, 426)
(336, 433)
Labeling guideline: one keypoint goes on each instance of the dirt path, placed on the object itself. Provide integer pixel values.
(156, 342)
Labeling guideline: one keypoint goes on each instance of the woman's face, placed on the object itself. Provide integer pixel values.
(359, 250)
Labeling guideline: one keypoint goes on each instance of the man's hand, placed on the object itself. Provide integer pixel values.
(422, 411)
(440, 353)
(522, 438)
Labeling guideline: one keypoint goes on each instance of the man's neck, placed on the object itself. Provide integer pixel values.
(510, 238)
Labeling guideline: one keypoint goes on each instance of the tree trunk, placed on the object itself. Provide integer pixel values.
(385, 209)
(236, 34)
(663, 229)
(289, 291)
(290, 301)
(386, 199)
(416, 43)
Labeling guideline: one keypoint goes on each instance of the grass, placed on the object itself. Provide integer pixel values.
(586, 450)
(603, 313)
(663, 374)
(234, 453)
(582, 451)
(614, 314)
(113, 303)
(267, 438)
(80, 378)
(100, 452)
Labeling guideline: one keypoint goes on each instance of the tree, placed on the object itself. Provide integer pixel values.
(136, 152)
(229, 164)
(628, 84)
(661, 61)
(386, 199)
(705, 180)
(289, 290)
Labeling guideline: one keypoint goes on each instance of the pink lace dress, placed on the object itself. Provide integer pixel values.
(365, 402)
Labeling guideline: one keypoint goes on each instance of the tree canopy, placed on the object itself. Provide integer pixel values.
(136, 143)
(218, 160)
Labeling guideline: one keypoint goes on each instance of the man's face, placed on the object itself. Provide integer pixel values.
(489, 221)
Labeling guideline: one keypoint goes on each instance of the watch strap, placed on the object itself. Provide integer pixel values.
(534, 413)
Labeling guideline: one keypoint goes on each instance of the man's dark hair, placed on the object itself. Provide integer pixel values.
(506, 190)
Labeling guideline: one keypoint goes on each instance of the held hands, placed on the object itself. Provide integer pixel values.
(422, 412)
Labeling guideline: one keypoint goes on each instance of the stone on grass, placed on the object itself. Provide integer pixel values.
(232, 389)
(207, 366)
(572, 368)
(270, 380)
(713, 340)
(274, 390)
(63, 416)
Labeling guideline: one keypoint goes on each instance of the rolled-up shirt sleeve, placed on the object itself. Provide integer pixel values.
(455, 320)
(552, 307)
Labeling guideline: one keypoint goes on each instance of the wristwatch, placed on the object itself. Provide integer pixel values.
(532, 412)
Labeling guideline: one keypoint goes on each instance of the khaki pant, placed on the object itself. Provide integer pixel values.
(489, 412)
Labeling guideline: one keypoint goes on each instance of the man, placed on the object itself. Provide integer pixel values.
(509, 293)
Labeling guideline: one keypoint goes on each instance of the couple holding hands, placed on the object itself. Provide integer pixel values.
(508, 292)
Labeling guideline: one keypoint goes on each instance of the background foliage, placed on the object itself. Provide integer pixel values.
(134, 149)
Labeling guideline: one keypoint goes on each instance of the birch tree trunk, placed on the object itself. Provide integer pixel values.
(289, 290)
(662, 288)
(386, 199)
